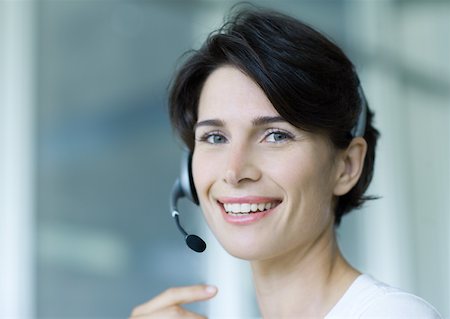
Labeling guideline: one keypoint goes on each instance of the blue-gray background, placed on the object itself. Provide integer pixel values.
(106, 157)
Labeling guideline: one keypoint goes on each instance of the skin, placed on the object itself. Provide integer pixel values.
(297, 267)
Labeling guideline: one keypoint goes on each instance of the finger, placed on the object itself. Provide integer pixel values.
(172, 312)
(176, 296)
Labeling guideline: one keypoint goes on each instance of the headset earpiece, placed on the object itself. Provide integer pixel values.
(186, 178)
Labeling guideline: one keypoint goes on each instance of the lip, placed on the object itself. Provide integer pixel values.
(247, 199)
(246, 219)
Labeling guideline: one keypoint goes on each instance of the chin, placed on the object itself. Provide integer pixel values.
(248, 251)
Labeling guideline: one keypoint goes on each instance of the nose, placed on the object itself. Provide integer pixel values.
(241, 166)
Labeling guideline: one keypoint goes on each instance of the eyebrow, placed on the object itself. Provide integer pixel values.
(259, 121)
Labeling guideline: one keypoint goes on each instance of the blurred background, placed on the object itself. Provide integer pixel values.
(87, 155)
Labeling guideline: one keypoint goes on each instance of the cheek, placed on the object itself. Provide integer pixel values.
(292, 171)
(305, 179)
(203, 174)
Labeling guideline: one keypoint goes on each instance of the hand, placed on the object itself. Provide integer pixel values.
(168, 304)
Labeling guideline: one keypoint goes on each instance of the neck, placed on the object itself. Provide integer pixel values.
(304, 282)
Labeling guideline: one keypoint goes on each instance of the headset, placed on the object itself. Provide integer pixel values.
(184, 185)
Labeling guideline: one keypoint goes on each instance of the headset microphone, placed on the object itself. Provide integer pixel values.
(184, 187)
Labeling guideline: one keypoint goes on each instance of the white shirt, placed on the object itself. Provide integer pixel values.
(369, 298)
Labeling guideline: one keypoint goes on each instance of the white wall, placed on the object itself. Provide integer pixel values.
(16, 160)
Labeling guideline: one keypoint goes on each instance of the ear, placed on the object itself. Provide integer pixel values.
(350, 165)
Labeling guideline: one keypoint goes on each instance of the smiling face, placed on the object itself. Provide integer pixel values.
(265, 186)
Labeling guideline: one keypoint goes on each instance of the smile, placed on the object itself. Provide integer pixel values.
(246, 210)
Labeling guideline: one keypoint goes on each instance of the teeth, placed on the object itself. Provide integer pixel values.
(235, 208)
(247, 208)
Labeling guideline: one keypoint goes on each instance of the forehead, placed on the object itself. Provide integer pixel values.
(229, 92)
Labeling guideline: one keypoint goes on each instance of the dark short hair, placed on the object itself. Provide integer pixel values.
(307, 78)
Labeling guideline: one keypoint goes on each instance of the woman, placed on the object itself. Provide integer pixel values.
(283, 146)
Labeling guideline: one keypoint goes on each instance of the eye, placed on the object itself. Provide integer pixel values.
(213, 138)
(216, 139)
(278, 136)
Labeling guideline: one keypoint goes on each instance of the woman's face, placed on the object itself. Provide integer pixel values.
(265, 186)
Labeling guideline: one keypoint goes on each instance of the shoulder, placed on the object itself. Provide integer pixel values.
(370, 298)
(399, 304)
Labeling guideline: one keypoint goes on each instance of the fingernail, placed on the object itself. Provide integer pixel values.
(210, 290)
